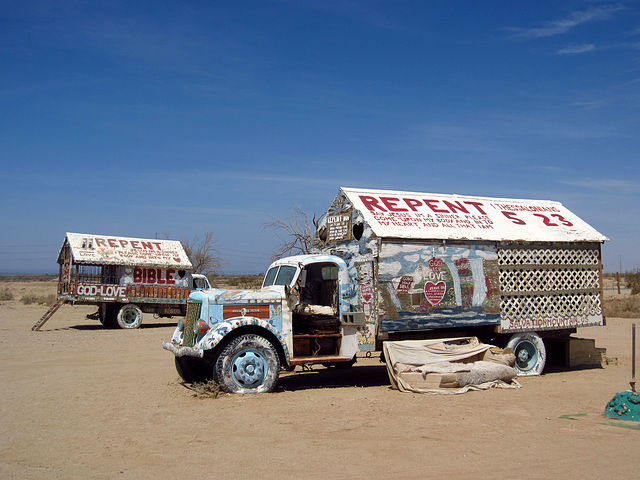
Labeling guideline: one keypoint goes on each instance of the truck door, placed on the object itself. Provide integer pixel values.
(316, 317)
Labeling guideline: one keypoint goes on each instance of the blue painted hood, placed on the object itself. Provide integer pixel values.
(217, 296)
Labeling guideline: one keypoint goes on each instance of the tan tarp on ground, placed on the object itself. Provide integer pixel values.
(453, 365)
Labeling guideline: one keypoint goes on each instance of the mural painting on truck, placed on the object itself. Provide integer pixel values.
(453, 261)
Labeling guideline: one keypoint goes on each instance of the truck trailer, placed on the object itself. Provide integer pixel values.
(393, 266)
(124, 277)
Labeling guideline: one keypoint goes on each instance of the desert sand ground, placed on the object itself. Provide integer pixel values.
(80, 402)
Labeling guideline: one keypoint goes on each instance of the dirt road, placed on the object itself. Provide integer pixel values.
(77, 401)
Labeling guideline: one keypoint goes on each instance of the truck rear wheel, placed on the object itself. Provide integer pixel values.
(129, 316)
(531, 354)
(249, 363)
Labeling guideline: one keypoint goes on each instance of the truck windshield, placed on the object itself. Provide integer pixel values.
(282, 275)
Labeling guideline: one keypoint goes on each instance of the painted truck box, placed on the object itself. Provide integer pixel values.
(125, 277)
(402, 265)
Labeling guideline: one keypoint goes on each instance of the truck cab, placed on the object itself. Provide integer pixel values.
(323, 325)
(301, 315)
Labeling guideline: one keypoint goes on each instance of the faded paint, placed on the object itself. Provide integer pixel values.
(435, 286)
(393, 214)
(98, 270)
(216, 305)
(109, 250)
(435, 262)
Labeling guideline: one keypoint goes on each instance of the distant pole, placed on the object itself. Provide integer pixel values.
(633, 358)
(618, 279)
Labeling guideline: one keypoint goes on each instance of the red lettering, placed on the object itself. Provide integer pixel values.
(170, 280)
(100, 242)
(455, 206)
(390, 202)
(545, 220)
(161, 281)
(432, 206)
(477, 205)
(137, 275)
(147, 245)
(151, 275)
(513, 217)
(134, 244)
(371, 203)
(112, 242)
(124, 243)
(563, 220)
(157, 244)
(412, 203)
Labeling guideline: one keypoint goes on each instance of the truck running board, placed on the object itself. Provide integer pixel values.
(319, 359)
(54, 308)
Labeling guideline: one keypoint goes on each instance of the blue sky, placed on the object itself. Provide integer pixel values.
(141, 118)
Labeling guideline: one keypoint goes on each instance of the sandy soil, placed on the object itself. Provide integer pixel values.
(77, 401)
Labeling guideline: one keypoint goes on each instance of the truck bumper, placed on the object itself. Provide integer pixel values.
(183, 351)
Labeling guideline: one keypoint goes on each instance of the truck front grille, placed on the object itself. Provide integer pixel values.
(193, 315)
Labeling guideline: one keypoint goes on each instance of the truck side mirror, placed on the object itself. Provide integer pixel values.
(303, 278)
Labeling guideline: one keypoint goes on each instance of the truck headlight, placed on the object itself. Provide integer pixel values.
(200, 327)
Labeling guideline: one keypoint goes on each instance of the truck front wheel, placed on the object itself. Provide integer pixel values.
(129, 316)
(192, 370)
(249, 363)
(531, 354)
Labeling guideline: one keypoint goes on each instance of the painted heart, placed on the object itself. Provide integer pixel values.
(435, 291)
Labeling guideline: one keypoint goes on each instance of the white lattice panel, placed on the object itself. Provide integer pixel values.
(547, 280)
(550, 306)
(550, 284)
(548, 256)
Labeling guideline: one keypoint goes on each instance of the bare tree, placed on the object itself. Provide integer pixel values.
(294, 232)
(201, 253)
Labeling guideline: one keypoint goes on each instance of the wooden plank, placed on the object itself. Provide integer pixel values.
(319, 359)
(319, 335)
(54, 308)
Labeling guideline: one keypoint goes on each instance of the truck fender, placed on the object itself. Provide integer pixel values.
(222, 330)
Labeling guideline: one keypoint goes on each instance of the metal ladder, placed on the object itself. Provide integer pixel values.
(54, 308)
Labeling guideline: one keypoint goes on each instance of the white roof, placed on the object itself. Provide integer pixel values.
(111, 250)
(413, 215)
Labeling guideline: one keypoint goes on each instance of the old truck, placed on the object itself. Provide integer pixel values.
(124, 277)
(393, 265)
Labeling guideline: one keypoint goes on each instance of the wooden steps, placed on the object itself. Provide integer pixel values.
(54, 308)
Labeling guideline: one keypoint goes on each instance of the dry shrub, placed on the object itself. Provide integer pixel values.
(622, 307)
(5, 295)
(243, 282)
(39, 299)
(207, 389)
(633, 281)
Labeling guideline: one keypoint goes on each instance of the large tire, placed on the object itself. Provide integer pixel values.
(193, 370)
(249, 363)
(531, 354)
(129, 316)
